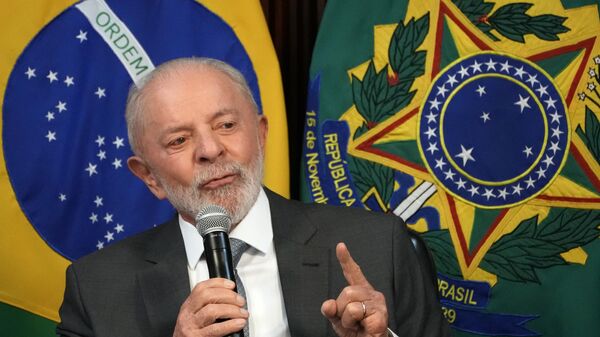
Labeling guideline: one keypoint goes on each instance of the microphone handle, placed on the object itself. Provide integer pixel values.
(217, 251)
(218, 255)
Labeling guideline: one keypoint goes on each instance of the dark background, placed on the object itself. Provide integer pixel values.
(293, 25)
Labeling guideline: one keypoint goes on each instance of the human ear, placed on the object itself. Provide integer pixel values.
(141, 170)
(263, 130)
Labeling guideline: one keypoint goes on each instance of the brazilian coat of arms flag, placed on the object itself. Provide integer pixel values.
(65, 71)
(477, 122)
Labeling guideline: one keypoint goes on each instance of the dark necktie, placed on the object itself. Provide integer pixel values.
(238, 247)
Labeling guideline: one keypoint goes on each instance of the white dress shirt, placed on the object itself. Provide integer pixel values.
(257, 269)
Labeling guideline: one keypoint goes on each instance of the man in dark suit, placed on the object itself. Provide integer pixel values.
(198, 140)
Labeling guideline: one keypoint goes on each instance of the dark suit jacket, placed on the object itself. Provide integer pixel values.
(135, 287)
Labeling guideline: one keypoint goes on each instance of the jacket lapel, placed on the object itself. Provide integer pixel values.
(164, 283)
(303, 269)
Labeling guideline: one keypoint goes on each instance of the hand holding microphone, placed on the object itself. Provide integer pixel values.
(214, 308)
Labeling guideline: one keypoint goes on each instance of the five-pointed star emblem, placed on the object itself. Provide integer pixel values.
(480, 90)
(523, 102)
(465, 155)
(82, 36)
(30, 73)
(100, 92)
(52, 76)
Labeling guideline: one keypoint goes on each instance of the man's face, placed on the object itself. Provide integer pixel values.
(201, 143)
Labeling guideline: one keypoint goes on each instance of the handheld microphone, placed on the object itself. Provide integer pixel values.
(213, 224)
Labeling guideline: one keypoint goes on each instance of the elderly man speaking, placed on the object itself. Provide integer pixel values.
(198, 140)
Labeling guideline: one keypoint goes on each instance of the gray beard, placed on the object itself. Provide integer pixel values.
(237, 198)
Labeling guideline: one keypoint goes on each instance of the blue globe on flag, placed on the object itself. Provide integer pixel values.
(493, 130)
(64, 132)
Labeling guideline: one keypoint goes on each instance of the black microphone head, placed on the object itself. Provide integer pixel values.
(213, 218)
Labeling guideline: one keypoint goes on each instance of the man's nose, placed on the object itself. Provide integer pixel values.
(209, 148)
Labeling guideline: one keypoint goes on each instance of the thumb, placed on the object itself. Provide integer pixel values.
(329, 310)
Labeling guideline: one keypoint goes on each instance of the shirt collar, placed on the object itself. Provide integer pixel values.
(255, 229)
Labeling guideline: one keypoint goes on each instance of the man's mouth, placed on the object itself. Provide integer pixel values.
(219, 181)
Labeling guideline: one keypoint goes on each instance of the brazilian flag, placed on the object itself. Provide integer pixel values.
(65, 69)
(477, 122)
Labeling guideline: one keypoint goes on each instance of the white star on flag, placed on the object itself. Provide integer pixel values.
(52, 76)
(502, 193)
(530, 182)
(100, 245)
(94, 217)
(449, 175)
(62, 197)
(98, 201)
(50, 116)
(442, 90)
(463, 72)
(528, 151)
(101, 154)
(431, 117)
(532, 80)
(556, 132)
(554, 147)
(517, 189)
(476, 67)
(542, 90)
(61, 106)
(550, 103)
(82, 36)
(523, 102)
(439, 163)
(91, 169)
(520, 72)
(489, 193)
(460, 183)
(99, 141)
(485, 116)
(108, 218)
(69, 81)
(451, 80)
(100, 92)
(541, 173)
(505, 66)
(474, 190)
(109, 236)
(119, 228)
(117, 163)
(118, 142)
(435, 104)
(432, 147)
(430, 132)
(548, 160)
(491, 64)
(465, 155)
(480, 90)
(30, 73)
(51, 136)
(555, 117)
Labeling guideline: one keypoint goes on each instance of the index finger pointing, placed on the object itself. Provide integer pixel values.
(351, 269)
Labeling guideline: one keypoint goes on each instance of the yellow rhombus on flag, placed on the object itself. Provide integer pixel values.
(64, 75)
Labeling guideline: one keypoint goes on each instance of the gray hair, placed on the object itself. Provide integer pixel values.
(137, 94)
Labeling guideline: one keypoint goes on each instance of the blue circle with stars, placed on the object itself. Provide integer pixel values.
(493, 130)
(64, 133)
